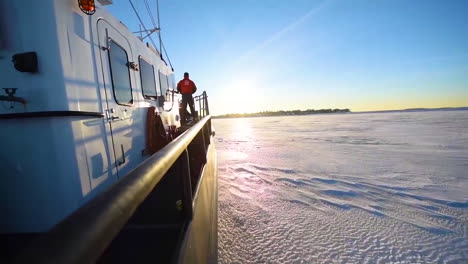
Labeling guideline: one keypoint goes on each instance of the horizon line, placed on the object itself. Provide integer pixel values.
(350, 111)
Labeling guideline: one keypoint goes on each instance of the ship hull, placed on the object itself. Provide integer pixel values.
(200, 244)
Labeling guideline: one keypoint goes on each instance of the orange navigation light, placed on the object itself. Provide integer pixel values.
(87, 6)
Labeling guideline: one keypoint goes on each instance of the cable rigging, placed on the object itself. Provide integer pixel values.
(156, 28)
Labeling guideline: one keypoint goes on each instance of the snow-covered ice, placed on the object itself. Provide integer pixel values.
(344, 188)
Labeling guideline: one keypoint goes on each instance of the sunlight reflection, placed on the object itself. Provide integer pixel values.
(236, 155)
(243, 129)
(242, 138)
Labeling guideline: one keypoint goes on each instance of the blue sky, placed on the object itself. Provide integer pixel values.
(255, 55)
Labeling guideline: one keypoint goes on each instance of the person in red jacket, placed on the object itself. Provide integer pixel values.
(187, 87)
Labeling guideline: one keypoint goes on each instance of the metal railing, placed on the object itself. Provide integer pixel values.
(203, 109)
(84, 236)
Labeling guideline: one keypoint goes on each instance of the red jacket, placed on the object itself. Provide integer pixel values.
(186, 86)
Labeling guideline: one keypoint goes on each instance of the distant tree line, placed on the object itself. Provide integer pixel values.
(285, 113)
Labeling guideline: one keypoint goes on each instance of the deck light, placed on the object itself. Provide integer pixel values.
(87, 6)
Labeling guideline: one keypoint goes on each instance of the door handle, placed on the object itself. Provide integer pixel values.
(123, 155)
(115, 118)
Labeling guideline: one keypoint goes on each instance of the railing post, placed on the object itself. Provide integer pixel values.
(187, 184)
(199, 108)
(205, 147)
(207, 135)
(203, 103)
(206, 102)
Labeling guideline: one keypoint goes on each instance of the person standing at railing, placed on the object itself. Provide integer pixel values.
(187, 87)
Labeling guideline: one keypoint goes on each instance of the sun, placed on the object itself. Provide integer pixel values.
(242, 96)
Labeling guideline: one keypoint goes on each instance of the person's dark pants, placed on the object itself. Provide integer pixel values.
(188, 99)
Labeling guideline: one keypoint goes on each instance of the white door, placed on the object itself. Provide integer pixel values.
(118, 79)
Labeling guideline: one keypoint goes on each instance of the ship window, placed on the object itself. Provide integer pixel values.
(164, 83)
(171, 81)
(148, 82)
(120, 74)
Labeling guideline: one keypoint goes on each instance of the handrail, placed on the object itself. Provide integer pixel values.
(203, 109)
(83, 236)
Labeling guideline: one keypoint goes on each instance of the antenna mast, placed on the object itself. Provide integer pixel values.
(156, 28)
(159, 26)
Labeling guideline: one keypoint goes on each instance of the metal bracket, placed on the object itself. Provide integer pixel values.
(123, 155)
(133, 66)
(10, 97)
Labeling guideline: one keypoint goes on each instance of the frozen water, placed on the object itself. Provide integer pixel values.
(345, 188)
